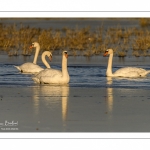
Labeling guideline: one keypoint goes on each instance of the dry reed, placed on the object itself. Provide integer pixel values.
(15, 40)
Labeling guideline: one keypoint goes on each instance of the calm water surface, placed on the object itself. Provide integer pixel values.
(91, 102)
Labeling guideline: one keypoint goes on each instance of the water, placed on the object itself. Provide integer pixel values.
(91, 102)
(72, 23)
(83, 72)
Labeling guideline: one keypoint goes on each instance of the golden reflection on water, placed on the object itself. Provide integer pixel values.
(109, 80)
(65, 94)
(109, 100)
(109, 97)
(36, 99)
(52, 96)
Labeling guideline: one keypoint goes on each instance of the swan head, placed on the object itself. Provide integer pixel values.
(49, 55)
(108, 52)
(65, 53)
(34, 44)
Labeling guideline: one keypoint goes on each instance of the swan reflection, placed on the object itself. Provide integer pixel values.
(109, 97)
(109, 80)
(109, 100)
(52, 97)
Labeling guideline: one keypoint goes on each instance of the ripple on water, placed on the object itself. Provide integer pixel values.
(80, 76)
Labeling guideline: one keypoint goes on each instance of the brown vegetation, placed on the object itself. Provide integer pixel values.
(15, 40)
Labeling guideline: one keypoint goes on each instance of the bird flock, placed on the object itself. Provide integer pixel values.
(49, 75)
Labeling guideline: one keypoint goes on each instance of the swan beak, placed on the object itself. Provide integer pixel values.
(31, 47)
(66, 55)
(50, 57)
(105, 54)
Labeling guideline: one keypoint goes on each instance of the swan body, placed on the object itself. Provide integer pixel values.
(29, 68)
(33, 67)
(123, 72)
(53, 76)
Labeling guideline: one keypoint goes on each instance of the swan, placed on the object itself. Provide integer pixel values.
(53, 76)
(123, 72)
(33, 67)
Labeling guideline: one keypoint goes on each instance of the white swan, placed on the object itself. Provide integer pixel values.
(123, 72)
(52, 76)
(33, 67)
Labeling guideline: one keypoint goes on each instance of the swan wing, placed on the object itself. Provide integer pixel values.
(29, 68)
(130, 72)
(47, 75)
(48, 72)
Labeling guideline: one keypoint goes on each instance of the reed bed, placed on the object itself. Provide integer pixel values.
(16, 39)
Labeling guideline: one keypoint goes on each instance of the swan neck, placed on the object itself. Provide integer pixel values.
(44, 60)
(109, 67)
(36, 54)
(64, 66)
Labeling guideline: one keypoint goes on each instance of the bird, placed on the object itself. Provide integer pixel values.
(33, 68)
(53, 76)
(128, 72)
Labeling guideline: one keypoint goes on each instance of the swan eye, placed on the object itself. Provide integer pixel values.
(65, 52)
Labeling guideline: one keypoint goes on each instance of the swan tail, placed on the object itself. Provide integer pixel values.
(145, 73)
(148, 72)
(18, 68)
